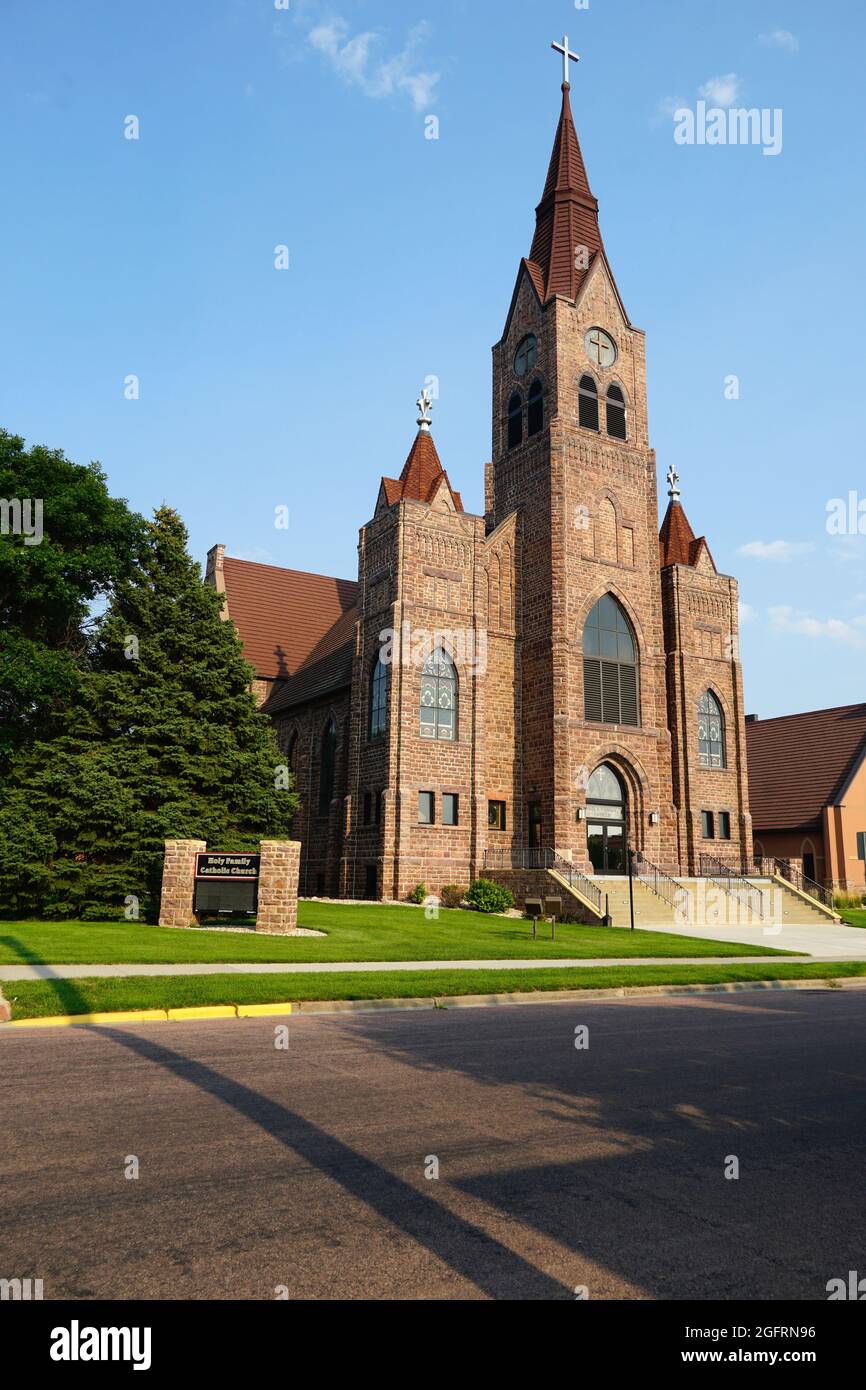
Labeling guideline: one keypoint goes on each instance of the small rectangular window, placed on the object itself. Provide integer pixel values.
(496, 815)
(368, 808)
(450, 808)
(724, 825)
(861, 844)
(426, 808)
(708, 825)
(378, 808)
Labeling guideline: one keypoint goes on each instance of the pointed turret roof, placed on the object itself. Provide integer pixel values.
(678, 544)
(422, 475)
(566, 218)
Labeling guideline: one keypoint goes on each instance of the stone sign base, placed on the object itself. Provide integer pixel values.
(278, 885)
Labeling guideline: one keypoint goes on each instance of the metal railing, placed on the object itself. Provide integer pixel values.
(579, 882)
(662, 884)
(520, 857)
(749, 895)
(785, 869)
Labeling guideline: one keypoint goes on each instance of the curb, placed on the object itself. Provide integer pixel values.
(152, 1016)
(459, 1001)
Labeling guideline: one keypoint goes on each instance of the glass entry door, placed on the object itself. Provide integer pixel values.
(606, 821)
(606, 847)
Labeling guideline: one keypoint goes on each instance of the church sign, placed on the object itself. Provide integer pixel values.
(226, 883)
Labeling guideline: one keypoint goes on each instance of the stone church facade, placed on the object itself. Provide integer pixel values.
(559, 674)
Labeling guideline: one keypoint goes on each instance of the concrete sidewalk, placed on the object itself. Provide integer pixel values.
(79, 972)
(835, 941)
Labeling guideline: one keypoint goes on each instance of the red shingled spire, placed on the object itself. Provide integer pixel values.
(422, 475)
(566, 217)
(678, 544)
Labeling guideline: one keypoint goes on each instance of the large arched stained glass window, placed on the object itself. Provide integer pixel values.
(439, 697)
(327, 768)
(611, 686)
(379, 698)
(711, 731)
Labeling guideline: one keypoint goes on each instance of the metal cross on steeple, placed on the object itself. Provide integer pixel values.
(673, 484)
(424, 404)
(567, 55)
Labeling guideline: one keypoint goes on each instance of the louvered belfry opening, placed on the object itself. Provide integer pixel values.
(611, 679)
(587, 403)
(616, 421)
(515, 420)
(535, 413)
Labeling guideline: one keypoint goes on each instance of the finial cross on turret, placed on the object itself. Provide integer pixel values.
(425, 405)
(567, 56)
(673, 484)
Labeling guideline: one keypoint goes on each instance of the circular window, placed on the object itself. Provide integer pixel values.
(600, 347)
(527, 355)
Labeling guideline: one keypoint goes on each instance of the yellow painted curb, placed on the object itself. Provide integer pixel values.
(66, 1020)
(262, 1010)
(204, 1011)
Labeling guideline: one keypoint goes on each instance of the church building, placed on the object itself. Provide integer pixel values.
(560, 674)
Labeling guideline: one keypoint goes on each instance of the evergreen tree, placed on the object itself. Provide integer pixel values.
(164, 740)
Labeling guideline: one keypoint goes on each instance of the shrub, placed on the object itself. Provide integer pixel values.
(486, 896)
(419, 893)
(452, 895)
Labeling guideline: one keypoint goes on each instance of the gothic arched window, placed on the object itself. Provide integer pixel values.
(535, 413)
(711, 731)
(292, 755)
(327, 767)
(616, 418)
(439, 697)
(515, 420)
(379, 698)
(611, 686)
(587, 403)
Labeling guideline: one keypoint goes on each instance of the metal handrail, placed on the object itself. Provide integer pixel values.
(734, 884)
(579, 881)
(786, 870)
(662, 884)
(524, 857)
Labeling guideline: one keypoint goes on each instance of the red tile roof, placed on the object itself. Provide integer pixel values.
(566, 217)
(422, 474)
(798, 764)
(677, 542)
(284, 617)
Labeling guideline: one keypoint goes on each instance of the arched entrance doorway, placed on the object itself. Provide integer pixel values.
(606, 821)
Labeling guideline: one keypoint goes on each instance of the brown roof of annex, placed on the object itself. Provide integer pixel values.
(284, 617)
(799, 763)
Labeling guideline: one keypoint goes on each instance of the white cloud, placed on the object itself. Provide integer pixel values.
(721, 91)
(775, 550)
(747, 613)
(781, 38)
(359, 61)
(794, 621)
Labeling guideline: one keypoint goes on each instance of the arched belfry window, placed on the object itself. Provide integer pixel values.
(535, 413)
(711, 731)
(327, 767)
(515, 420)
(379, 698)
(587, 403)
(611, 684)
(616, 417)
(439, 697)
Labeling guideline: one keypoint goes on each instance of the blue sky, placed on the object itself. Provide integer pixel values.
(260, 388)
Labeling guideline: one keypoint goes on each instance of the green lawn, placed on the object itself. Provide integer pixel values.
(40, 998)
(855, 917)
(355, 933)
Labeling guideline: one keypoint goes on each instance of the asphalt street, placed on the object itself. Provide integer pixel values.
(305, 1169)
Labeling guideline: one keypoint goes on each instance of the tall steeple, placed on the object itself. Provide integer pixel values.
(567, 235)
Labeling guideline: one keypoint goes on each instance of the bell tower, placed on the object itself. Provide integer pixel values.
(571, 457)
